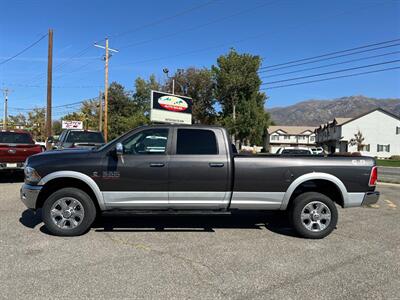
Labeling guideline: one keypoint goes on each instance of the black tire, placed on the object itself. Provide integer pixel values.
(88, 216)
(306, 227)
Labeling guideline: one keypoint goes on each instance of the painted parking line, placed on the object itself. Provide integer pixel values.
(373, 205)
(390, 204)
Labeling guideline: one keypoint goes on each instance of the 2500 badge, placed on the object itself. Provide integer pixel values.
(173, 103)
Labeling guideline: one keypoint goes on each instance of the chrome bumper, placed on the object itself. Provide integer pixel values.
(370, 198)
(29, 195)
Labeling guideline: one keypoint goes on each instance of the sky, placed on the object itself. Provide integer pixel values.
(151, 35)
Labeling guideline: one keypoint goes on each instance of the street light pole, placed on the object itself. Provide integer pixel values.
(5, 92)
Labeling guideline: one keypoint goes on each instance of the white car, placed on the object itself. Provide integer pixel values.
(317, 150)
(294, 151)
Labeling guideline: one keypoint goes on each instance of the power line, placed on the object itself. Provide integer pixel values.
(196, 27)
(60, 65)
(55, 86)
(333, 72)
(243, 39)
(330, 65)
(162, 20)
(331, 53)
(330, 58)
(331, 78)
(24, 50)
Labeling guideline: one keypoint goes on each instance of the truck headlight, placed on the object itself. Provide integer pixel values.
(31, 176)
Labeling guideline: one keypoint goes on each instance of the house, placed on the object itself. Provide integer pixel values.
(290, 136)
(378, 134)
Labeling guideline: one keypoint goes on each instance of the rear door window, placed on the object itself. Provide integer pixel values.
(196, 141)
(15, 138)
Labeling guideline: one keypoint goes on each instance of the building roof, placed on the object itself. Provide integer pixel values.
(291, 129)
(342, 121)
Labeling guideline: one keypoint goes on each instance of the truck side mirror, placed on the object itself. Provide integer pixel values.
(119, 149)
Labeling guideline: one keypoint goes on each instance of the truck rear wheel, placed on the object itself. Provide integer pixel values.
(68, 212)
(314, 215)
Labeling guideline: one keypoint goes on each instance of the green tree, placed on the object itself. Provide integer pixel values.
(237, 90)
(36, 123)
(17, 120)
(124, 112)
(197, 84)
(358, 141)
(88, 114)
(142, 93)
(57, 127)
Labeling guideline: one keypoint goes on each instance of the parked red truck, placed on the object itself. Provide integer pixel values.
(15, 147)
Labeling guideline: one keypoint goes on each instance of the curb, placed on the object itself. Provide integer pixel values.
(389, 183)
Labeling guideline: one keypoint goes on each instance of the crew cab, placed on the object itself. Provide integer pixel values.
(192, 168)
(76, 138)
(15, 147)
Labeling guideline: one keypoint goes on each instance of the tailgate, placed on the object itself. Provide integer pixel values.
(17, 152)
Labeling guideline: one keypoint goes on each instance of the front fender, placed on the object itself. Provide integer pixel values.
(80, 176)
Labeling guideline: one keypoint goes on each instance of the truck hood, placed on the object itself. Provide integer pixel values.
(46, 156)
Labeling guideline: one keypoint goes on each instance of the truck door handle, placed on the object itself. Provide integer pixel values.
(216, 165)
(157, 165)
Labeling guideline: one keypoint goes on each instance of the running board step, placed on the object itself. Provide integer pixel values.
(168, 212)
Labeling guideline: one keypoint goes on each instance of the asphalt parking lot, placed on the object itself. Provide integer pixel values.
(252, 256)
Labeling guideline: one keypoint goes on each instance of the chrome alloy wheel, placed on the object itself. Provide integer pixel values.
(67, 213)
(316, 216)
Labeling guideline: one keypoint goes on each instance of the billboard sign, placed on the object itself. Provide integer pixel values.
(169, 108)
(72, 125)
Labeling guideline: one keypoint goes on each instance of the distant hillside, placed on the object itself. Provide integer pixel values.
(316, 112)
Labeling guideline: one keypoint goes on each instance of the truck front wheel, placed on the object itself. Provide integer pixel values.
(68, 212)
(314, 215)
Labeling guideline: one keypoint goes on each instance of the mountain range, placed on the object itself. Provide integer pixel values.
(316, 112)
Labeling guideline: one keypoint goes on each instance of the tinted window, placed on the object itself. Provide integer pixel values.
(85, 137)
(151, 141)
(15, 138)
(196, 141)
(296, 151)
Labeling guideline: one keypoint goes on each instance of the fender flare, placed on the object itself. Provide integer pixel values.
(313, 176)
(80, 176)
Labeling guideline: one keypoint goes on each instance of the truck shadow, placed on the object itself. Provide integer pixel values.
(30, 219)
(11, 176)
(276, 222)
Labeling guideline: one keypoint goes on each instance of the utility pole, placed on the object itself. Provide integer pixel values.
(106, 94)
(6, 91)
(100, 111)
(106, 58)
(49, 87)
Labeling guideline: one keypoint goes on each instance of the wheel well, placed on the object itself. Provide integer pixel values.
(322, 186)
(59, 183)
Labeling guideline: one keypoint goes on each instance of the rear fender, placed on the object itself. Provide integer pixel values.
(315, 176)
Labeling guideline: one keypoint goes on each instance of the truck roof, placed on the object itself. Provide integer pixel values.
(182, 125)
(16, 131)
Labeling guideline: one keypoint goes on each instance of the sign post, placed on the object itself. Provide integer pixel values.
(169, 108)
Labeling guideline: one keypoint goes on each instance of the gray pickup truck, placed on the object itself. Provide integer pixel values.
(192, 168)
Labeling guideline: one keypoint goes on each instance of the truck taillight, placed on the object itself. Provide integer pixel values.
(373, 178)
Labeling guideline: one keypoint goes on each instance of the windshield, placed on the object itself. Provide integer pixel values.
(15, 138)
(85, 137)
